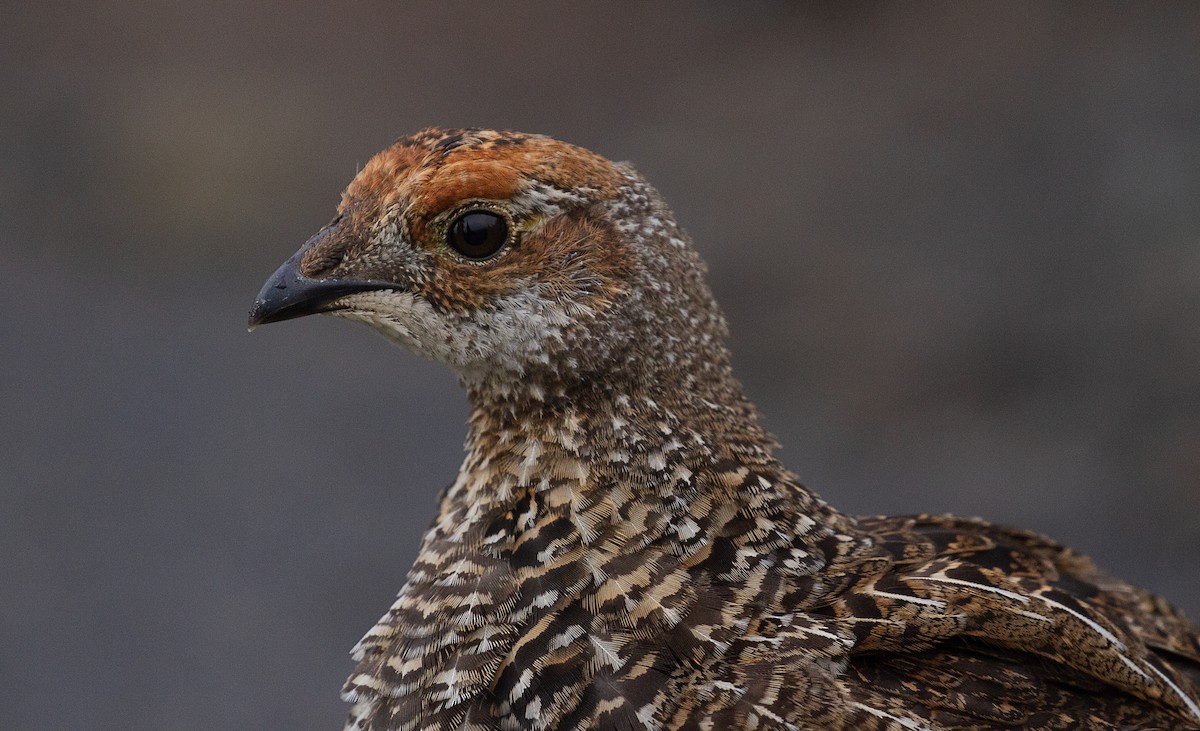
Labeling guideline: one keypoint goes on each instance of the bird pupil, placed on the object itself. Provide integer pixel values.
(476, 227)
(477, 234)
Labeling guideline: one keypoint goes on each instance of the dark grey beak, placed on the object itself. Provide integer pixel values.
(289, 294)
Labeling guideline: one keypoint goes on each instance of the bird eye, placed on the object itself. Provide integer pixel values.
(477, 234)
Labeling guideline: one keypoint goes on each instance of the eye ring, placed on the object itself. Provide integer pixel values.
(478, 233)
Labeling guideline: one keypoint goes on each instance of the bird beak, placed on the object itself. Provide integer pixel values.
(288, 293)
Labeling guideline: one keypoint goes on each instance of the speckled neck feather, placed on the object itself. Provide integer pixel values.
(621, 549)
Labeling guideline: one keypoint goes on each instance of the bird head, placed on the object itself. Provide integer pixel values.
(505, 255)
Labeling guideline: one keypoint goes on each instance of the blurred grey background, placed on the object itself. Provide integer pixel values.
(959, 244)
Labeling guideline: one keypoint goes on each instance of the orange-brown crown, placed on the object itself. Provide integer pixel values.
(433, 170)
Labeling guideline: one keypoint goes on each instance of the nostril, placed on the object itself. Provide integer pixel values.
(327, 250)
(321, 260)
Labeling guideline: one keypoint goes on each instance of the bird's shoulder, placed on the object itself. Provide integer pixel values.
(977, 625)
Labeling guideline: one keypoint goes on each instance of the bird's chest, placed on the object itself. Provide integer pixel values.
(585, 599)
(550, 636)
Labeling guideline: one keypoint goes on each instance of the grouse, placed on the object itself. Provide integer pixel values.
(621, 549)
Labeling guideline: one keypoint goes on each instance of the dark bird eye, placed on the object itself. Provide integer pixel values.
(477, 234)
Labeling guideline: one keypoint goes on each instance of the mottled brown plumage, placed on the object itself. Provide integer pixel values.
(621, 549)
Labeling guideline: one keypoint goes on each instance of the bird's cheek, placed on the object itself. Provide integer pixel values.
(396, 310)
